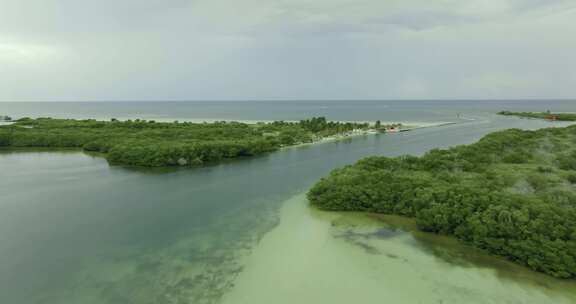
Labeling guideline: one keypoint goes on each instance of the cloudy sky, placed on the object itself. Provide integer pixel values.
(286, 49)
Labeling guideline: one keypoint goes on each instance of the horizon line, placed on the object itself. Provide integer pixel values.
(295, 100)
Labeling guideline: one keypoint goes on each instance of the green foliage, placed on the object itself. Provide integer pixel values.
(542, 115)
(5, 138)
(567, 161)
(539, 182)
(153, 144)
(571, 178)
(518, 157)
(468, 192)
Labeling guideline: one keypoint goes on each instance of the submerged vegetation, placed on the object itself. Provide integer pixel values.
(542, 115)
(513, 194)
(153, 144)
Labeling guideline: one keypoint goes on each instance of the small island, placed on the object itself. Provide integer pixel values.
(147, 143)
(542, 115)
(512, 194)
(5, 118)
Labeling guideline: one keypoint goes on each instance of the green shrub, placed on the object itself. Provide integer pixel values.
(152, 144)
(571, 178)
(463, 191)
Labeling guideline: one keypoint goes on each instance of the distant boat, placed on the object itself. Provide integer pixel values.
(5, 118)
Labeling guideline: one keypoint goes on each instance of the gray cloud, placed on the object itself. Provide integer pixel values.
(223, 49)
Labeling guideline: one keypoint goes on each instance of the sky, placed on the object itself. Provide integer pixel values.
(72, 50)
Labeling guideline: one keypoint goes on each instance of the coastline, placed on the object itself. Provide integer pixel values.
(406, 127)
(246, 121)
(400, 127)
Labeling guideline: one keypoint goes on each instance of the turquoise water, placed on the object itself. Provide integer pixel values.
(75, 230)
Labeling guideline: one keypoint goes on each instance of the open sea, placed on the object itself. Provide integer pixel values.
(361, 110)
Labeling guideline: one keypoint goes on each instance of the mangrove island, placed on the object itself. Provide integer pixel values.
(542, 115)
(513, 194)
(155, 144)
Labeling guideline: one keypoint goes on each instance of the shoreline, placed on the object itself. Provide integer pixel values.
(245, 121)
(342, 257)
(323, 140)
(372, 131)
(403, 127)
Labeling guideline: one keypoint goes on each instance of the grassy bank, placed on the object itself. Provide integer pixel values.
(513, 194)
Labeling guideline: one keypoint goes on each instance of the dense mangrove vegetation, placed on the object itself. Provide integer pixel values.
(513, 194)
(542, 115)
(153, 144)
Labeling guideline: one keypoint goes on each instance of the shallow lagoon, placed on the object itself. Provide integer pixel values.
(327, 257)
(74, 230)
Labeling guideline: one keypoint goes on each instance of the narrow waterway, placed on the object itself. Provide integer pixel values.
(75, 230)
